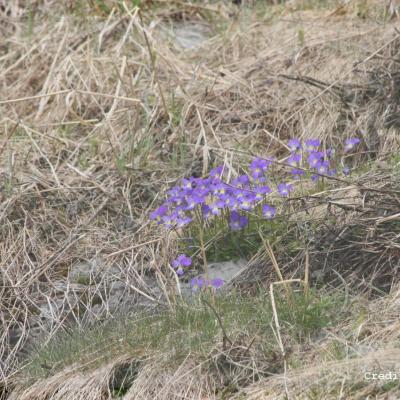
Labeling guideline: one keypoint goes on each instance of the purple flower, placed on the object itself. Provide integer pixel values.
(239, 194)
(178, 199)
(217, 283)
(243, 180)
(216, 207)
(216, 172)
(231, 202)
(185, 260)
(237, 221)
(314, 178)
(284, 189)
(247, 201)
(323, 167)
(268, 211)
(259, 180)
(157, 214)
(191, 202)
(312, 144)
(183, 221)
(294, 144)
(196, 283)
(350, 144)
(315, 158)
(261, 191)
(180, 262)
(258, 166)
(297, 173)
(294, 160)
(186, 183)
(346, 171)
(202, 185)
(220, 188)
(206, 211)
(168, 220)
(330, 152)
(332, 172)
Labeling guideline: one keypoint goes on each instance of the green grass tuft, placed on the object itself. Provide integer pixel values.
(192, 327)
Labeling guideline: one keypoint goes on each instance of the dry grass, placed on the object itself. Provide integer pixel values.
(369, 343)
(364, 339)
(99, 113)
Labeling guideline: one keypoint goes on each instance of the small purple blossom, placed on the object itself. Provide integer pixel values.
(312, 144)
(168, 220)
(284, 189)
(205, 211)
(242, 180)
(216, 172)
(261, 192)
(350, 144)
(220, 188)
(183, 221)
(330, 152)
(186, 183)
(183, 260)
(294, 160)
(258, 166)
(217, 283)
(268, 211)
(323, 167)
(192, 201)
(297, 173)
(231, 202)
(294, 144)
(246, 202)
(259, 180)
(157, 214)
(197, 283)
(332, 172)
(237, 221)
(315, 158)
(215, 208)
(180, 262)
(346, 171)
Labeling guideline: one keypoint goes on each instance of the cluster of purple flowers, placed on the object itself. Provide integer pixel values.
(209, 197)
(180, 263)
(316, 160)
(199, 283)
(309, 156)
(213, 196)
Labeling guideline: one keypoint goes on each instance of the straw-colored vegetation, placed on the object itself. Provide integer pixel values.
(102, 109)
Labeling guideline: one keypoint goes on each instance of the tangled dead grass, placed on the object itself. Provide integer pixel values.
(98, 114)
(353, 237)
(373, 342)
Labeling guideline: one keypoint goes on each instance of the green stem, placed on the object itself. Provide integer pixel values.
(203, 251)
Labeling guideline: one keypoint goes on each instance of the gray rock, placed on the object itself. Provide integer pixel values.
(225, 270)
(190, 35)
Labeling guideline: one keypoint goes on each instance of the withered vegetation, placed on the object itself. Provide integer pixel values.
(101, 109)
